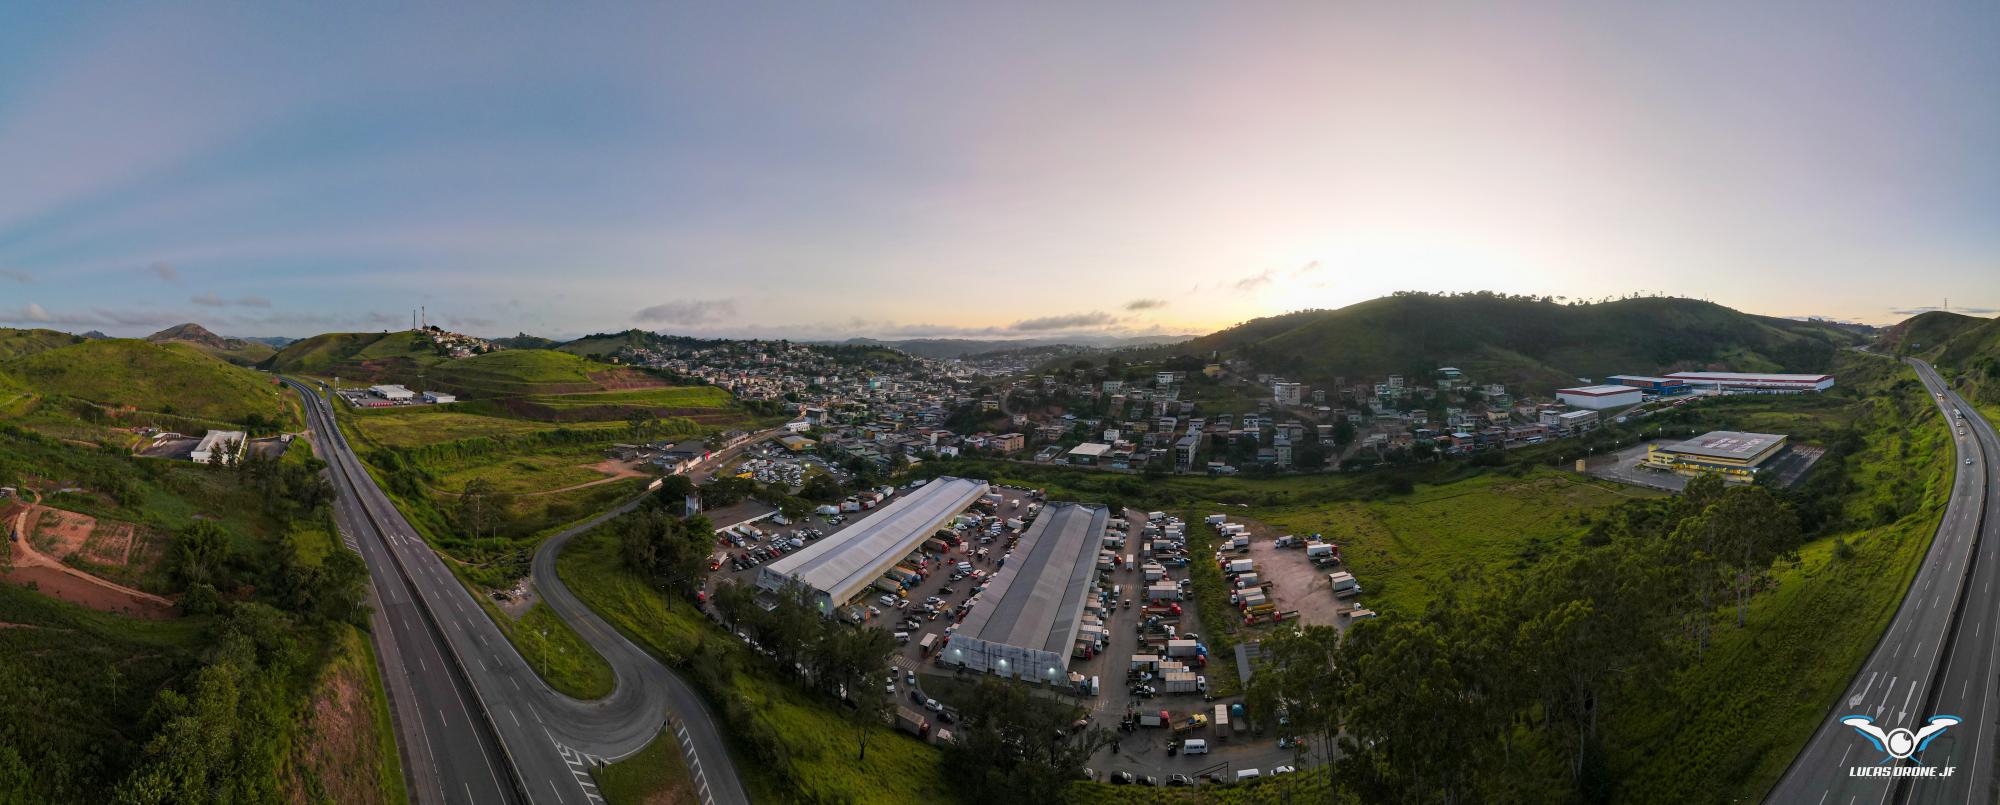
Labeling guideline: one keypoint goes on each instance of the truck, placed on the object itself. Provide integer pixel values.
(889, 585)
(1358, 613)
(1181, 682)
(1168, 608)
(1274, 617)
(1236, 566)
(1240, 543)
(1216, 519)
(1251, 599)
(1193, 722)
(1163, 592)
(1145, 662)
(1318, 549)
(1154, 719)
(1221, 720)
(1015, 524)
(1156, 515)
(1247, 581)
(928, 644)
(1153, 571)
(1344, 584)
(912, 721)
(1181, 648)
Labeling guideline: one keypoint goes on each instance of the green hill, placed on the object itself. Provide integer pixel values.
(239, 351)
(525, 341)
(398, 357)
(15, 343)
(601, 344)
(163, 378)
(1537, 344)
(517, 372)
(1965, 348)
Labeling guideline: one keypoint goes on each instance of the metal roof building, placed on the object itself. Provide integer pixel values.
(842, 565)
(1027, 620)
(1733, 454)
(1599, 397)
(1754, 382)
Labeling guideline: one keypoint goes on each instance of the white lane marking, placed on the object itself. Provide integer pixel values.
(442, 719)
(552, 787)
(510, 714)
(517, 685)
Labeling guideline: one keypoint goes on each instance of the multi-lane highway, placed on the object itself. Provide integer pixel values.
(1937, 657)
(476, 724)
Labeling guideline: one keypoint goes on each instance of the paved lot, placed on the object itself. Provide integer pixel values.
(1625, 466)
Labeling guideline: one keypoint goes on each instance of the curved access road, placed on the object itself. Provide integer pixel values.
(1936, 658)
(477, 724)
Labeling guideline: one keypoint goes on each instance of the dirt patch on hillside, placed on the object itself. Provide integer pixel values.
(72, 586)
(336, 760)
(626, 380)
(57, 532)
(28, 566)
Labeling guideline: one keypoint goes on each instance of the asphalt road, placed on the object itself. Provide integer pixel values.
(1937, 657)
(477, 724)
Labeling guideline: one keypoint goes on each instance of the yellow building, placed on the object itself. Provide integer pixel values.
(796, 443)
(1734, 455)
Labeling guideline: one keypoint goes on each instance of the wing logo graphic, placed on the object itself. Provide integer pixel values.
(1900, 743)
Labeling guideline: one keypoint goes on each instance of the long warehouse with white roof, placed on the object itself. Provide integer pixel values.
(1027, 620)
(839, 567)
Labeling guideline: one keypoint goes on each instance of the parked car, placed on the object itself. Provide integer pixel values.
(1123, 778)
(1180, 779)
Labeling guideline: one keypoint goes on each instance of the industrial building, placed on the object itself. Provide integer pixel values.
(1027, 621)
(392, 393)
(219, 445)
(841, 566)
(1598, 398)
(1752, 382)
(439, 397)
(1089, 453)
(1735, 455)
(1662, 386)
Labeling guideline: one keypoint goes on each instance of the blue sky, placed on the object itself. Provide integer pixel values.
(817, 170)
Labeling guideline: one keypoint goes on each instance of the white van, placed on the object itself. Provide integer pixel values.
(1194, 746)
(902, 637)
(1247, 774)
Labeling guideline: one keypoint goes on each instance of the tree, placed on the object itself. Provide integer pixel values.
(198, 555)
(822, 488)
(482, 507)
(1014, 746)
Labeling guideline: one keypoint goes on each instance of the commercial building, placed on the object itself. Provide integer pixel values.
(1598, 398)
(1088, 453)
(392, 393)
(1027, 621)
(439, 397)
(1664, 386)
(1735, 455)
(224, 446)
(796, 443)
(1753, 382)
(842, 565)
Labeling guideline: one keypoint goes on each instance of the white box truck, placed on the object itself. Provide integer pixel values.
(1163, 592)
(1318, 549)
(1344, 583)
(1182, 648)
(1240, 566)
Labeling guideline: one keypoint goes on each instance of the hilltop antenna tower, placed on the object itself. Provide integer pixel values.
(427, 315)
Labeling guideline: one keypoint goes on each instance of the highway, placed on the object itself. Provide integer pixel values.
(1936, 658)
(476, 724)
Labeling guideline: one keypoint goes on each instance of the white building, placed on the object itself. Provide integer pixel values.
(224, 446)
(439, 397)
(1287, 393)
(1030, 617)
(842, 566)
(393, 393)
(1598, 398)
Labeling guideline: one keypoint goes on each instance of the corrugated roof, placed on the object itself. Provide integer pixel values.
(1036, 601)
(1726, 444)
(850, 559)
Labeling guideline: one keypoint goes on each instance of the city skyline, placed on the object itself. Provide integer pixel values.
(984, 173)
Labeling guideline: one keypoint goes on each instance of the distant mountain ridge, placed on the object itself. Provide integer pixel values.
(1536, 343)
(1965, 348)
(241, 351)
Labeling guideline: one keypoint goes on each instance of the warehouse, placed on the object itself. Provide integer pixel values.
(1027, 620)
(841, 566)
(1088, 453)
(1598, 398)
(392, 393)
(1736, 456)
(1663, 386)
(1752, 382)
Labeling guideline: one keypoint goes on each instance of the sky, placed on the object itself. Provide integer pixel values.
(816, 170)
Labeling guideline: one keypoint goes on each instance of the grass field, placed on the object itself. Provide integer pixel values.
(1402, 548)
(657, 775)
(555, 651)
(818, 743)
(15, 342)
(528, 474)
(416, 427)
(663, 397)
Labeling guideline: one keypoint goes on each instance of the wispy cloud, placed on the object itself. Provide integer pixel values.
(22, 277)
(164, 270)
(1145, 304)
(30, 312)
(211, 300)
(687, 312)
(1070, 321)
